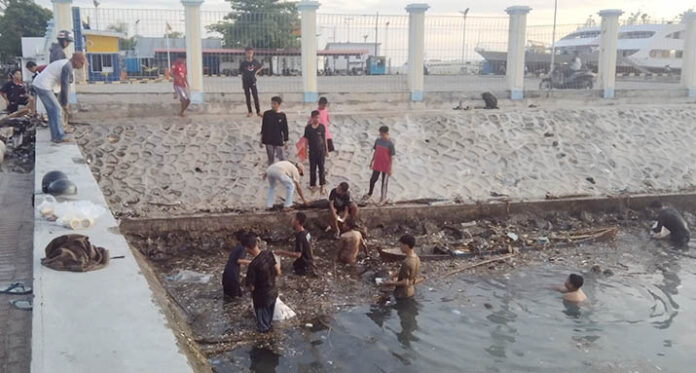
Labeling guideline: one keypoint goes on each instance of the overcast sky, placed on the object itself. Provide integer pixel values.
(575, 11)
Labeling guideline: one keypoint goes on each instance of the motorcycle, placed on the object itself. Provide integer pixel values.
(582, 79)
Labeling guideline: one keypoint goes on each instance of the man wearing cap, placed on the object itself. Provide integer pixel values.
(58, 49)
(58, 73)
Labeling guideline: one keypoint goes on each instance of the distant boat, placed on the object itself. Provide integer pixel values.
(645, 48)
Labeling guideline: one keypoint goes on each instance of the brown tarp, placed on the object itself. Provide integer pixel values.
(74, 252)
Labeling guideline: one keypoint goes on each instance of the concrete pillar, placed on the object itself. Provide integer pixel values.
(688, 73)
(194, 50)
(308, 15)
(607, 51)
(517, 40)
(62, 18)
(416, 46)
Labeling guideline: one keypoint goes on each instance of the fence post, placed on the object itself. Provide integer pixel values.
(62, 15)
(194, 52)
(688, 73)
(416, 46)
(308, 14)
(517, 40)
(607, 51)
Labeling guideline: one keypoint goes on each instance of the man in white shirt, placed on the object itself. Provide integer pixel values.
(287, 174)
(58, 73)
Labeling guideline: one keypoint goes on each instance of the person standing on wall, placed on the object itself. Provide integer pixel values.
(315, 133)
(58, 49)
(250, 69)
(181, 84)
(274, 132)
(57, 73)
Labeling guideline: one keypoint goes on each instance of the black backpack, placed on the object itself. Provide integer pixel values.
(490, 100)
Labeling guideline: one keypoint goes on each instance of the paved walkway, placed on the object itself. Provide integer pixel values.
(16, 237)
(104, 321)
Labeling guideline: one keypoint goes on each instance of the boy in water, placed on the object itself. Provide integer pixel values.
(315, 133)
(381, 163)
(571, 289)
(407, 277)
(351, 241)
(324, 119)
(230, 277)
(670, 223)
(341, 206)
(304, 263)
(250, 69)
(261, 281)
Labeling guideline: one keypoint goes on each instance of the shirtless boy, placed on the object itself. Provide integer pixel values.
(571, 289)
(350, 242)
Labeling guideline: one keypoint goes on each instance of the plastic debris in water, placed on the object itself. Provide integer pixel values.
(513, 237)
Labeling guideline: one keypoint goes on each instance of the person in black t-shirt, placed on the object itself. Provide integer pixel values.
(261, 281)
(15, 93)
(250, 69)
(230, 277)
(341, 206)
(670, 223)
(274, 132)
(303, 254)
(315, 133)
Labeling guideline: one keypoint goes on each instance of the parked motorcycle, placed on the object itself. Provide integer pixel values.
(583, 79)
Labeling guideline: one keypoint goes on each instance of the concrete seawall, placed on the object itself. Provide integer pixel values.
(164, 166)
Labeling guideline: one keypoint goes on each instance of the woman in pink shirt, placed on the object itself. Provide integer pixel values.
(324, 119)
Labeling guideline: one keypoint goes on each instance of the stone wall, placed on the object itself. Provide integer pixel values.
(163, 166)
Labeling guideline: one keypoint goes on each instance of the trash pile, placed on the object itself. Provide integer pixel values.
(17, 139)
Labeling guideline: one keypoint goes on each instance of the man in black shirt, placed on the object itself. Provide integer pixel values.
(315, 133)
(341, 207)
(274, 132)
(15, 93)
(230, 277)
(250, 69)
(674, 224)
(261, 281)
(304, 263)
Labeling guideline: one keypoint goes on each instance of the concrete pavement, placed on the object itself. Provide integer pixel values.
(103, 321)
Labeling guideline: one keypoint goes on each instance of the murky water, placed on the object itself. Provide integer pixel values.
(641, 319)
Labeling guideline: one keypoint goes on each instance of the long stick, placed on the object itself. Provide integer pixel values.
(553, 38)
(479, 264)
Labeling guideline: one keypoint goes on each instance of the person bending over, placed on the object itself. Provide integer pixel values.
(230, 276)
(341, 207)
(670, 223)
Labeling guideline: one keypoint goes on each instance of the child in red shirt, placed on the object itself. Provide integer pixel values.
(381, 163)
(181, 84)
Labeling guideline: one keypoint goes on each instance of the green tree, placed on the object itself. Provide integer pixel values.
(126, 43)
(174, 35)
(20, 18)
(260, 24)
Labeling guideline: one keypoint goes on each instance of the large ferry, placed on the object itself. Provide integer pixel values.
(646, 48)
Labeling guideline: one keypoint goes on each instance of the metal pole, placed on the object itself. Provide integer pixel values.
(386, 39)
(464, 13)
(376, 33)
(553, 40)
(169, 58)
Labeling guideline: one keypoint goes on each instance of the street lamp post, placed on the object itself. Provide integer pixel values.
(347, 22)
(386, 40)
(96, 14)
(464, 13)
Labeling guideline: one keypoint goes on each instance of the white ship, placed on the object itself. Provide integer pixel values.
(645, 48)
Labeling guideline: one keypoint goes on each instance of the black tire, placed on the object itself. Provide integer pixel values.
(587, 84)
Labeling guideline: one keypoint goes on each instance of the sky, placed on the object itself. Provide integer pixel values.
(542, 10)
